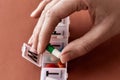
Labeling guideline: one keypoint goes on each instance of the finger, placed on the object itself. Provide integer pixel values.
(52, 18)
(36, 13)
(30, 40)
(94, 37)
(40, 23)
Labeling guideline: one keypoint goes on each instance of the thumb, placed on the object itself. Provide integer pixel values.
(98, 34)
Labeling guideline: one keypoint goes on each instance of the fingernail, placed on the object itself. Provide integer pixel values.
(39, 49)
(32, 14)
(29, 42)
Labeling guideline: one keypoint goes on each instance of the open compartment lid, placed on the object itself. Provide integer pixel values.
(33, 57)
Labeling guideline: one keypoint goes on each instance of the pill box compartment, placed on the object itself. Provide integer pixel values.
(54, 73)
(53, 68)
(60, 33)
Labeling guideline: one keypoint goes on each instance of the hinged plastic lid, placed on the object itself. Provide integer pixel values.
(33, 57)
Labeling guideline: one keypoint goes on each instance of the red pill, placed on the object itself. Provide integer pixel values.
(60, 64)
(51, 65)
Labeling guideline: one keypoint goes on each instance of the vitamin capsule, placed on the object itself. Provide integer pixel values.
(60, 65)
(52, 58)
(53, 51)
(51, 65)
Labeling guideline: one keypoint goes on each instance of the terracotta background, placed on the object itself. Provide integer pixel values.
(102, 63)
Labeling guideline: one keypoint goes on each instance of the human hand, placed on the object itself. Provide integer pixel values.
(104, 14)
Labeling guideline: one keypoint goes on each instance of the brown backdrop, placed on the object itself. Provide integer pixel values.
(103, 63)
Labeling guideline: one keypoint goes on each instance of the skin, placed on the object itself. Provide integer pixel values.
(105, 15)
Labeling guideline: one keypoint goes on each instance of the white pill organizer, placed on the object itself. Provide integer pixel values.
(51, 68)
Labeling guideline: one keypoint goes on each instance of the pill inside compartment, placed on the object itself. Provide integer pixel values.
(53, 68)
(50, 61)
